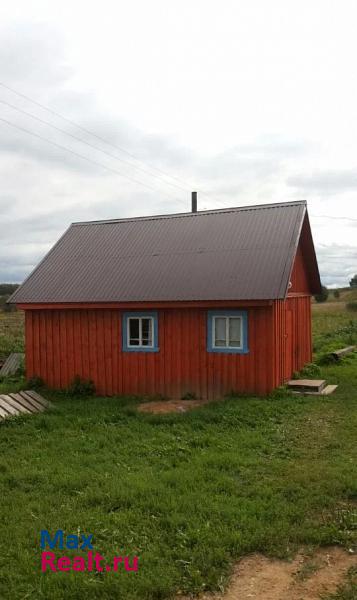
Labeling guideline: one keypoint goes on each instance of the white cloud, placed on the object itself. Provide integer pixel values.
(249, 102)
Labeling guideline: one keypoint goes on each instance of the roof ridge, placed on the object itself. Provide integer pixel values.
(193, 214)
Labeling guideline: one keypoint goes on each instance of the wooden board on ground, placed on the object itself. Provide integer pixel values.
(21, 403)
(307, 385)
(329, 389)
(311, 387)
(338, 354)
(24, 402)
(12, 364)
(37, 397)
(37, 405)
(326, 391)
(3, 413)
(13, 402)
(7, 407)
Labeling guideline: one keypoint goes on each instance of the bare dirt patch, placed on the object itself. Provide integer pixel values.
(169, 406)
(307, 577)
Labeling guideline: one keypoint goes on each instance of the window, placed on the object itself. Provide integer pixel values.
(227, 331)
(140, 332)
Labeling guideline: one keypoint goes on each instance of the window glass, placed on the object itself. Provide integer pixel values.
(234, 332)
(140, 332)
(146, 325)
(220, 331)
(227, 331)
(134, 332)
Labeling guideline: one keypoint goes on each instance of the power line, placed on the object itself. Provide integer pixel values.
(103, 140)
(24, 112)
(40, 137)
(332, 217)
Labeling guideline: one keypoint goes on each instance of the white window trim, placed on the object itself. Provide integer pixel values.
(140, 345)
(227, 317)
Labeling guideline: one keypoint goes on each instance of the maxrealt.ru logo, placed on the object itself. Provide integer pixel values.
(92, 561)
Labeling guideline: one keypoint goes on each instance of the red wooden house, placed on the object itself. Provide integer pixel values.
(204, 302)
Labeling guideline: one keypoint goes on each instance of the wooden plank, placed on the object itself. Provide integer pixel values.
(47, 341)
(6, 406)
(326, 391)
(56, 355)
(310, 385)
(84, 326)
(101, 387)
(329, 389)
(20, 403)
(16, 404)
(44, 350)
(70, 346)
(37, 397)
(12, 364)
(34, 403)
(3, 413)
(108, 360)
(63, 348)
(77, 362)
(338, 353)
(115, 337)
(92, 340)
(25, 403)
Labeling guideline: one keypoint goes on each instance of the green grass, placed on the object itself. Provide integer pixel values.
(333, 327)
(189, 493)
(11, 333)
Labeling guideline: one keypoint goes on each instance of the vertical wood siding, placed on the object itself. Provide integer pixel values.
(300, 307)
(63, 343)
(291, 355)
(299, 276)
(292, 323)
(279, 342)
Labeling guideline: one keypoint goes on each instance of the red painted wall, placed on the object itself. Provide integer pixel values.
(299, 275)
(300, 307)
(63, 343)
(292, 331)
(292, 323)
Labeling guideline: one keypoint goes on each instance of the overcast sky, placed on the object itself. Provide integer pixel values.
(247, 101)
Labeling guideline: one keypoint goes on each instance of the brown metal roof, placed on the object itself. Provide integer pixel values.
(236, 253)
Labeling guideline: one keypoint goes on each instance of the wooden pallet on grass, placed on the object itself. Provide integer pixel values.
(24, 402)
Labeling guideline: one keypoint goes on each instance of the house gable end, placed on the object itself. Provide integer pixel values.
(305, 277)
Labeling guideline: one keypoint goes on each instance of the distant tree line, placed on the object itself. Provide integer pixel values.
(6, 289)
(323, 296)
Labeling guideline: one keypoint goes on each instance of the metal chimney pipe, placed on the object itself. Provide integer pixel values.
(194, 202)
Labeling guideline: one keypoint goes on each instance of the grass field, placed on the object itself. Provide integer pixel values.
(188, 494)
(11, 333)
(333, 327)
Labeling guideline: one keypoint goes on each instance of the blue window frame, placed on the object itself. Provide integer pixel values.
(227, 331)
(140, 332)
